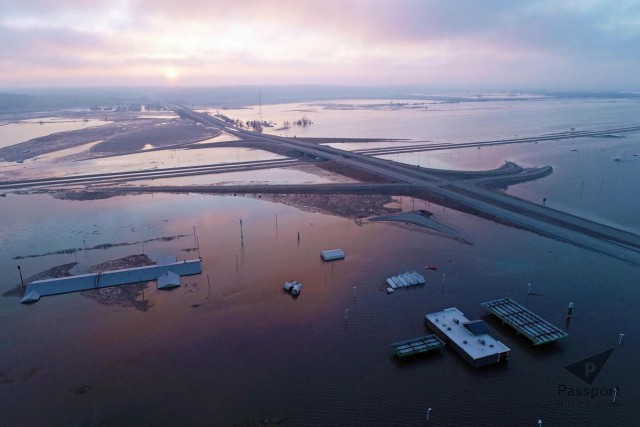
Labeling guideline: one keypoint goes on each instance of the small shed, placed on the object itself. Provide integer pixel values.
(332, 255)
(168, 280)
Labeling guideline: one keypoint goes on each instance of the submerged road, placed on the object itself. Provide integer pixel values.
(469, 191)
(556, 136)
(468, 195)
(177, 172)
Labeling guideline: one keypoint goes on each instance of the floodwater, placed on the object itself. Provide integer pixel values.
(229, 347)
(442, 122)
(297, 174)
(587, 180)
(24, 130)
(62, 163)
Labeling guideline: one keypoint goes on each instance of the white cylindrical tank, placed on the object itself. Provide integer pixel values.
(295, 290)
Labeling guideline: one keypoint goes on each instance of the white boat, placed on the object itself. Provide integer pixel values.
(391, 283)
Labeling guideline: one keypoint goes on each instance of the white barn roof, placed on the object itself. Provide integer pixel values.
(82, 282)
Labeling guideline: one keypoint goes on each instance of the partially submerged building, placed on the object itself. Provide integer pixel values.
(417, 345)
(524, 321)
(332, 255)
(470, 339)
(84, 282)
(409, 278)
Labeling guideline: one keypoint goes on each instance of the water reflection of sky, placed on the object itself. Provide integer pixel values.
(22, 131)
(260, 346)
(586, 180)
(447, 122)
(56, 164)
(229, 346)
(273, 176)
(239, 350)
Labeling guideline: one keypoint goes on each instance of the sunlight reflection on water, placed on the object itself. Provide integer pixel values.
(241, 349)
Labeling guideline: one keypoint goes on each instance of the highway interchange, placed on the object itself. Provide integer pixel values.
(471, 195)
(471, 192)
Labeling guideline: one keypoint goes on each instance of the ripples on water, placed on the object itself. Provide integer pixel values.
(245, 351)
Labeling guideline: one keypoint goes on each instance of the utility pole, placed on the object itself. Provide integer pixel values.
(260, 105)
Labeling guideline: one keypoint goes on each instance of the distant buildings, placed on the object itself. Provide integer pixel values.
(132, 107)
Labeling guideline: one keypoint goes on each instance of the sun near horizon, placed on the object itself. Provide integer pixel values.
(171, 74)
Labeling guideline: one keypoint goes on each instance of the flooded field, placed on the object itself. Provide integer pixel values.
(15, 132)
(230, 348)
(233, 346)
(440, 122)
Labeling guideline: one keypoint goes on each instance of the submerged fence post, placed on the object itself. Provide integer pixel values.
(21, 280)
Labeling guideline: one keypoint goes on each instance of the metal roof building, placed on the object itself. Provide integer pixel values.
(524, 321)
(332, 254)
(469, 338)
(39, 288)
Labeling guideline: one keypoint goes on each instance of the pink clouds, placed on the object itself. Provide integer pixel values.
(358, 41)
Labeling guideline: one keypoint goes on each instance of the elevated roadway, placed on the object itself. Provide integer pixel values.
(470, 195)
(556, 136)
(469, 191)
(177, 172)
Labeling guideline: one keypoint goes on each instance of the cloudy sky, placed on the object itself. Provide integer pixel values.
(577, 44)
